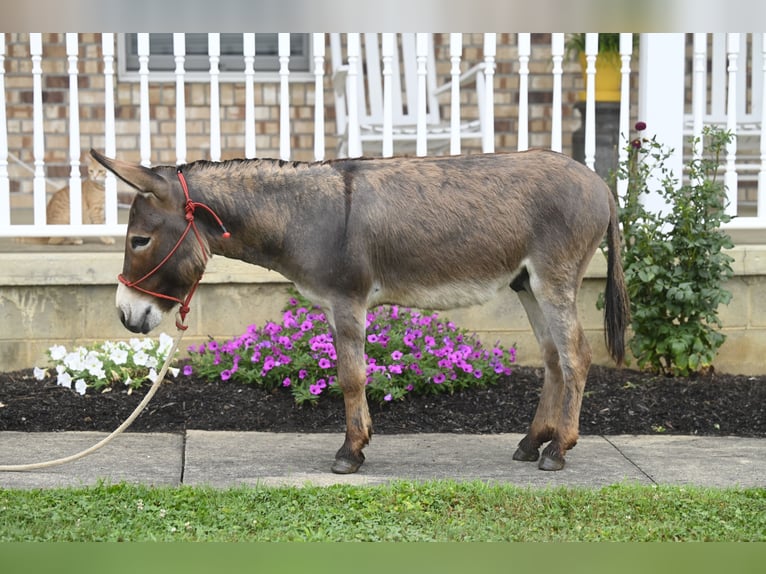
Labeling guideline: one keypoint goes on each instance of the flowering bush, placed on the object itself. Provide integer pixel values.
(676, 263)
(100, 365)
(406, 351)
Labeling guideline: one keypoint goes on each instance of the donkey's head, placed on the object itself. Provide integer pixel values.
(162, 263)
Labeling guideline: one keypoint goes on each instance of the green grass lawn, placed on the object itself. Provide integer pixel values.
(403, 511)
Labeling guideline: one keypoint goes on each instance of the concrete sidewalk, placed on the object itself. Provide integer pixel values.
(224, 459)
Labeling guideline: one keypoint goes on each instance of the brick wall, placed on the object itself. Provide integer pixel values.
(232, 98)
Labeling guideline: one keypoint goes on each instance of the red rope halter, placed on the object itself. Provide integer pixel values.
(189, 216)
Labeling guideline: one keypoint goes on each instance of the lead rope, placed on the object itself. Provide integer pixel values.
(118, 431)
(180, 325)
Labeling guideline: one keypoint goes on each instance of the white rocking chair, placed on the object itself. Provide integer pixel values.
(369, 97)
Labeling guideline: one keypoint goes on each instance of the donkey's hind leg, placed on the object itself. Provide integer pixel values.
(543, 425)
(348, 320)
(567, 356)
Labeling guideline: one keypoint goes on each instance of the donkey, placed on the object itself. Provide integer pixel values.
(434, 233)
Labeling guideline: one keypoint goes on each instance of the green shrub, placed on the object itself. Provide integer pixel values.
(674, 262)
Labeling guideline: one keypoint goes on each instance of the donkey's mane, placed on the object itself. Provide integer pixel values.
(259, 164)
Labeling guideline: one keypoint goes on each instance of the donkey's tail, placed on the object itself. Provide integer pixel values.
(617, 303)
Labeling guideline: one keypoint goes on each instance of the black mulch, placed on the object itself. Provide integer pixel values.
(615, 402)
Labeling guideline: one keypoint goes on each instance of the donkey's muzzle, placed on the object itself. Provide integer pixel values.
(137, 312)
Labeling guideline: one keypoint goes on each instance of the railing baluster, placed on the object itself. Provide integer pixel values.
(387, 55)
(591, 51)
(421, 56)
(248, 41)
(319, 53)
(284, 96)
(179, 53)
(214, 53)
(75, 182)
(110, 145)
(143, 78)
(525, 50)
(455, 54)
(626, 51)
(352, 94)
(40, 200)
(490, 50)
(557, 55)
(730, 176)
(761, 199)
(699, 88)
(5, 184)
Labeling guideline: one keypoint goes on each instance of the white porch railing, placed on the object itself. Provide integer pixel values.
(40, 228)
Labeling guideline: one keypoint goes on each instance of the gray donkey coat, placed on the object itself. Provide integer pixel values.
(434, 233)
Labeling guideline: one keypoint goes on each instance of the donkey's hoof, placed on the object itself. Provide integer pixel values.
(345, 466)
(526, 455)
(551, 462)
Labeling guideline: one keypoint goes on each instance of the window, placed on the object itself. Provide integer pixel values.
(197, 63)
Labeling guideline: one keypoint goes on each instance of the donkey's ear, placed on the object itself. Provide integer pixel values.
(145, 180)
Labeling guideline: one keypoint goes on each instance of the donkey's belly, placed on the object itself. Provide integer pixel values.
(449, 295)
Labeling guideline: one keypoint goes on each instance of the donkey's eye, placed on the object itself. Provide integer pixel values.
(137, 241)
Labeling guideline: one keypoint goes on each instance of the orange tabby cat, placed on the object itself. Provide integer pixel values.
(92, 207)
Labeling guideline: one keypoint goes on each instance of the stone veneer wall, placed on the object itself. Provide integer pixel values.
(68, 298)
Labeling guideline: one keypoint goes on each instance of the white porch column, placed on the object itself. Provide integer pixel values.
(661, 99)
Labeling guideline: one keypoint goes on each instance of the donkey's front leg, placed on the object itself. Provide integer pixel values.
(349, 322)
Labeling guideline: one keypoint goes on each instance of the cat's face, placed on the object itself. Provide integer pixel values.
(96, 172)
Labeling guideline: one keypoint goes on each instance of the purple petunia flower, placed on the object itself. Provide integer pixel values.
(288, 320)
(440, 378)
(188, 370)
(388, 397)
(225, 375)
(315, 390)
(287, 382)
(324, 363)
(396, 355)
(302, 374)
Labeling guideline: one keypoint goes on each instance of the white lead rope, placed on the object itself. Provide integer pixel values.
(137, 411)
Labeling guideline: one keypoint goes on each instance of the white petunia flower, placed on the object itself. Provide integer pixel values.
(166, 342)
(118, 356)
(140, 358)
(174, 371)
(64, 380)
(74, 360)
(57, 352)
(152, 376)
(39, 373)
(99, 373)
(92, 362)
(80, 386)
